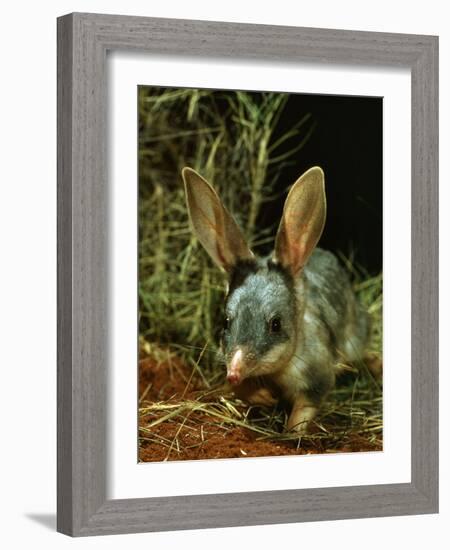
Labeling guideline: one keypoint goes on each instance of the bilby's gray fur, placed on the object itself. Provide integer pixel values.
(290, 318)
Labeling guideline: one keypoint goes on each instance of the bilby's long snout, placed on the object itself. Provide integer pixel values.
(234, 370)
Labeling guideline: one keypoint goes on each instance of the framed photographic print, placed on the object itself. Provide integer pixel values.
(247, 274)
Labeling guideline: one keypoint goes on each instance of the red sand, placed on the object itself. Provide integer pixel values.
(202, 436)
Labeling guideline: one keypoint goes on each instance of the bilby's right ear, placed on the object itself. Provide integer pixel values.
(213, 224)
(303, 221)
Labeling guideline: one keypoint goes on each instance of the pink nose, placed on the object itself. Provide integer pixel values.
(234, 368)
(233, 378)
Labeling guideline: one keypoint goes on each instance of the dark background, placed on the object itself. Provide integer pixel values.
(347, 143)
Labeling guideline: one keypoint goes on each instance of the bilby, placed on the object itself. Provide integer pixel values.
(289, 318)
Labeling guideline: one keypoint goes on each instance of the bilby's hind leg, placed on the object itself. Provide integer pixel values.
(374, 363)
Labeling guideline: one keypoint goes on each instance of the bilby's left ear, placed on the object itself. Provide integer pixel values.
(303, 221)
(213, 225)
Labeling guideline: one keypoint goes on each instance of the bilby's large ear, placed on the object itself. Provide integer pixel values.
(213, 224)
(303, 220)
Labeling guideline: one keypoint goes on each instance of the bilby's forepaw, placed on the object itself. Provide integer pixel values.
(251, 392)
(300, 417)
(262, 396)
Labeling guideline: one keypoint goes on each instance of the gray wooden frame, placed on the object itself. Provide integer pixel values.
(83, 41)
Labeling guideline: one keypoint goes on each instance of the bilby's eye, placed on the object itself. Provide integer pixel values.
(226, 323)
(275, 325)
